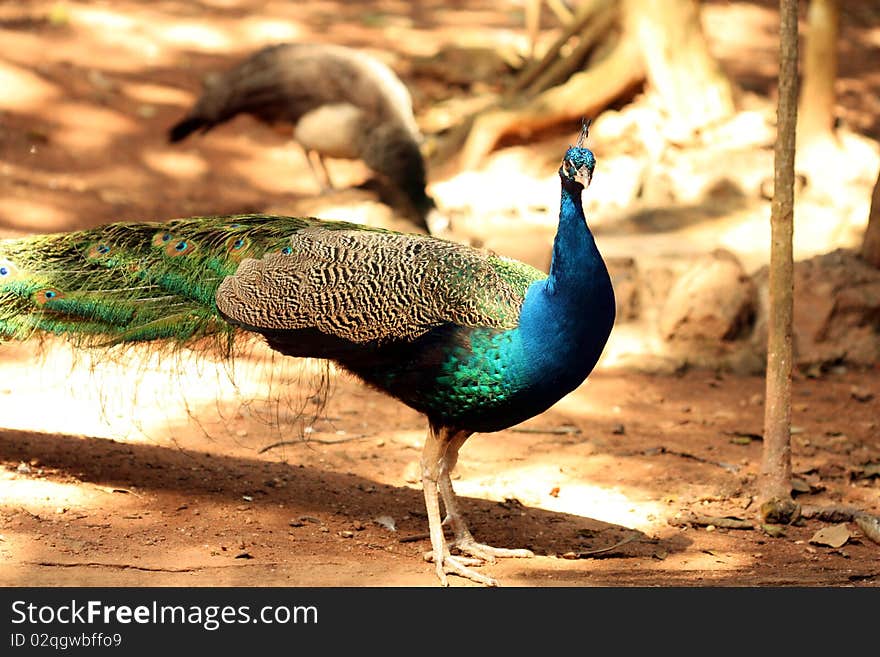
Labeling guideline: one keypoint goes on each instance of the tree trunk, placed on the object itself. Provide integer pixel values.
(680, 67)
(871, 244)
(816, 108)
(777, 505)
(663, 38)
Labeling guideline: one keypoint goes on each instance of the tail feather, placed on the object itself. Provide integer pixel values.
(132, 282)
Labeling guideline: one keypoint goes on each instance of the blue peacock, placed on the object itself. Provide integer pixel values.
(474, 341)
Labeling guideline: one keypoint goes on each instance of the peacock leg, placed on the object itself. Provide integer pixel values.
(433, 458)
(464, 540)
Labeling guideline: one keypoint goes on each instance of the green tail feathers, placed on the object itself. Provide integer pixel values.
(132, 282)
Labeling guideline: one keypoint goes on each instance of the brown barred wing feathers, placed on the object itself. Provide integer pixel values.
(371, 287)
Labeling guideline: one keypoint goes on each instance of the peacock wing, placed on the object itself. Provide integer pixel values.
(366, 286)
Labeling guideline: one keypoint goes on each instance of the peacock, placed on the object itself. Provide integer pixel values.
(341, 102)
(474, 341)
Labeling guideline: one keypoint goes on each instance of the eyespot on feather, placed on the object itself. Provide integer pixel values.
(8, 271)
(44, 296)
(175, 248)
(237, 246)
(162, 238)
(99, 251)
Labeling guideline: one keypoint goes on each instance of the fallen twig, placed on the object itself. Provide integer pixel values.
(830, 513)
(588, 553)
(727, 522)
(559, 431)
(730, 467)
(423, 536)
(125, 566)
(308, 441)
(30, 513)
(114, 489)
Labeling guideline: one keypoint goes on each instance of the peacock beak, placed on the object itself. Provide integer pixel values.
(584, 176)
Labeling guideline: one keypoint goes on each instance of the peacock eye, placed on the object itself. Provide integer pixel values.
(50, 294)
(4, 271)
(181, 246)
(287, 250)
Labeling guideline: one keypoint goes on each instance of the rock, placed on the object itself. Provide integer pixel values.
(714, 300)
(836, 310)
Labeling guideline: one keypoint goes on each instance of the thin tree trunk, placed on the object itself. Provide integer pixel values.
(817, 98)
(871, 243)
(694, 89)
(777, 505)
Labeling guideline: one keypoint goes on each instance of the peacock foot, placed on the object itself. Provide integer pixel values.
(455, 565)
(467, 545)
(477, 555)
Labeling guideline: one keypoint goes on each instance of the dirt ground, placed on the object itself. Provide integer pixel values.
(180, 485)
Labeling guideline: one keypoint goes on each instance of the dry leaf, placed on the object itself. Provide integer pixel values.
(834, 536)
(799, 485)
(387, 522)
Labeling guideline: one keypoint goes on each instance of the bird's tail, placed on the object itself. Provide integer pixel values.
(185, 127)
(131, 282)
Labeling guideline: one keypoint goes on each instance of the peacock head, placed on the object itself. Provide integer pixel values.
(579, 162)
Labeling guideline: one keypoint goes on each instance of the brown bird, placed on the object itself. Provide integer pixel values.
(341, 103)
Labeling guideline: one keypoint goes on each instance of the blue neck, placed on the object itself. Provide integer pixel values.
(574, 250)
(567, 317)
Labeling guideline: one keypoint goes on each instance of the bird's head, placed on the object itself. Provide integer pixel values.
(579, 162)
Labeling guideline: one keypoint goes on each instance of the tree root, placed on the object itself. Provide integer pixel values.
(583, 95)
(586, 12)
(869, 524)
